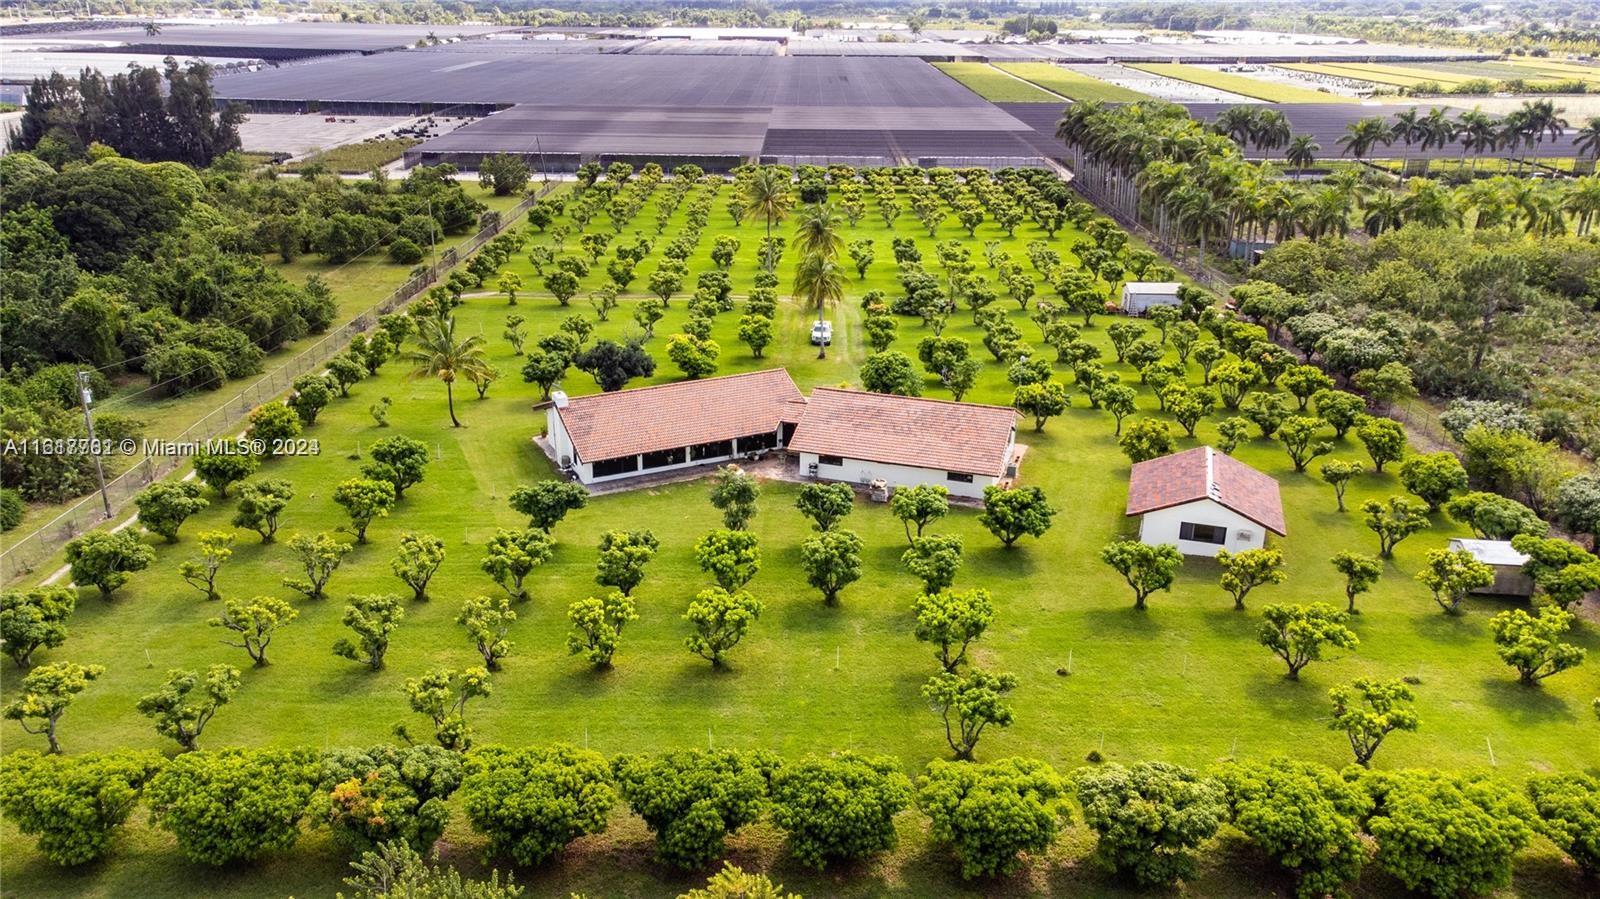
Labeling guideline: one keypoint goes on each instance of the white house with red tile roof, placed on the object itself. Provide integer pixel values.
(859, 437)
(839, 435)
(606, 436)
(1202, 501)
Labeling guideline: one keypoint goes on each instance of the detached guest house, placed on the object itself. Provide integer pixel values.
(606, 436)
(1202, 501)
(860, 437)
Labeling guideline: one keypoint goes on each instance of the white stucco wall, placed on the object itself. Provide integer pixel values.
(1161, 526)
(860, 471)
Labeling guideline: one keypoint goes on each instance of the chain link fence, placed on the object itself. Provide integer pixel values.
(22, 555)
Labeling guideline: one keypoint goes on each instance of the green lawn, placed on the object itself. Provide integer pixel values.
(1070, 83)
(993, 85)
(1243, 85)
(1183, 682)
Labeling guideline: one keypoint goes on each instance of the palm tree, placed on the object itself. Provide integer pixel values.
(819, 281)
(1429, 204)
(1583, 200)
(1383, 213)
(1199, 211)
(439, 354)
(1587, 140)
(766, 194)
(1362, 135)
(151, 29)
(816, 232)
(1302, 151)
(1407, 129)
(1272, 130)
(1479, 134)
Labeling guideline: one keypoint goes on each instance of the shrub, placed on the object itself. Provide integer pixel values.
(1447, 834)
(531, 802)
(839, 807)
(692, 800)
(73, 803)
(233, 804)
(1151, 818)
(990, 814)
(386, 793)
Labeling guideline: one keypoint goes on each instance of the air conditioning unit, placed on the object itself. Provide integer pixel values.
(1247, 535)
(566, 462)
(811, 470)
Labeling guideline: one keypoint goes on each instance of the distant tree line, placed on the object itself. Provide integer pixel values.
(144, 113)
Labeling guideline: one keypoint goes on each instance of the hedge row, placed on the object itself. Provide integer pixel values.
(1439, 833)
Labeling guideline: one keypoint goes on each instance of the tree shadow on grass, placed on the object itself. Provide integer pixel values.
(1438, 626)
(1123, 621)
(1235, 624)
(807, 613)
(1290, 700)
(1523, 704)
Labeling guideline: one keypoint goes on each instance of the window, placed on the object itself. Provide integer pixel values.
(959, 477)
(621, 465)
(716, 449)
(758, 442)
(1202, 533)
(830, 460)
(663, 458)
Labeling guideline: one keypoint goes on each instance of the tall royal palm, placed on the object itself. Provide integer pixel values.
(817, 232)
(1479, 134)
(766, 194)
(439, 353)
(1583, 201)
(819, 282)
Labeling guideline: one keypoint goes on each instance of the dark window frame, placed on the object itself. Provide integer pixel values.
(835, 461)
(663, 458)
(614, 466)
(959, 477)
(716, 449)
(1215, 534)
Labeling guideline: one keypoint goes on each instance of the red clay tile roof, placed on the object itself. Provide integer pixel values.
(899, 430)
(1203, 473)
(667, 416)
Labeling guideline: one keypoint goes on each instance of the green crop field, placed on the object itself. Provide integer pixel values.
(1070, 83)
(994, 85)
(1243, 85)
(1182, 682)
(357, 158)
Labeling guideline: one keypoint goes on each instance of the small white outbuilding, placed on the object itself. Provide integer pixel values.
(1139, 296)
(1203, 501)
(1509, 578)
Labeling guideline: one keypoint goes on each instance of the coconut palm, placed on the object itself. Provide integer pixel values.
(816, 232)
(1587, 139)
(1382, 213)
(1362, 135)
(1272, 130)
(440, 354)
(1302, 152)
(1429, 204)
(819, 282)
(1583, 200)
(766, 194)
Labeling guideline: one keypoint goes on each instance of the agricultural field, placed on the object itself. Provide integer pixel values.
(1183, 682)
(1074, 85)
(994, 85)
(356, 158)
(1244, 85)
